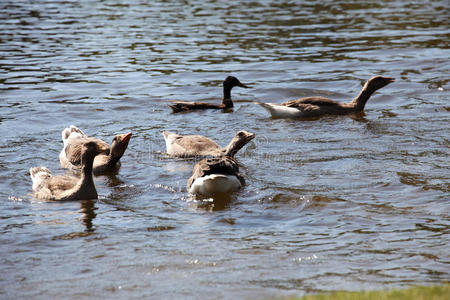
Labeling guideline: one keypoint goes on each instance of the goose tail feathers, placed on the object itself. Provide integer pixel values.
(71, 132)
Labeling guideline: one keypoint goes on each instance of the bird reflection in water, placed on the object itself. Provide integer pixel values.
(88, 210)
(216, 203)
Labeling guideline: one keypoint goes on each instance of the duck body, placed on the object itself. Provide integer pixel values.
(186, 106)
(106, 162)
(228, 84)
(47, 186)
(201, 146)
(212, 176)
(317, 106)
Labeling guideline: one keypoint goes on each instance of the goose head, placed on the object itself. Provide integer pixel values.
(119, 144)
(90, 149)
(240, 140)
(377, 82)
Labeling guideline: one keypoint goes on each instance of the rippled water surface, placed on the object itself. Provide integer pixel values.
(349, 202)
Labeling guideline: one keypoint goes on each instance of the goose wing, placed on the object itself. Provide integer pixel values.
(189, 145)
(197, 144)
(48, 187)
(73, 148)
(314, 101)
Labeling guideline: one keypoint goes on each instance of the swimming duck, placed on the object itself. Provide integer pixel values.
(46, 186)
(317, 106)
(197, 145)
(228, 84)
(212, 176)
(108, 161)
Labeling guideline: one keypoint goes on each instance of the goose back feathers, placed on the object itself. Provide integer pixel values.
(200, 146)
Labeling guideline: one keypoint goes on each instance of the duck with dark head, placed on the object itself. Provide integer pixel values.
(229, 83)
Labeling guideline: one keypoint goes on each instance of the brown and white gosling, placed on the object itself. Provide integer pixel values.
(46, 186)
(106, 162)
(213, 176)
(201, 146)
(219, 175)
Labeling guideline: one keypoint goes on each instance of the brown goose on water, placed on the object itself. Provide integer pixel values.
(106, 162)
(317, 106)
(197, 145)
(228, 84)
(46, 186)
(213, 176)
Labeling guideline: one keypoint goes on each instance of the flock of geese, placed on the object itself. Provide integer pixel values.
(216, 173)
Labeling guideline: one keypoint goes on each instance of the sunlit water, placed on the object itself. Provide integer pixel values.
(348, 202)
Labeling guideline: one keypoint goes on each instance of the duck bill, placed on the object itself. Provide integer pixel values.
(125, 138)
(243, 85)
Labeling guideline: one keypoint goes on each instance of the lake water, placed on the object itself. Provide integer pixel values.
(349, 202)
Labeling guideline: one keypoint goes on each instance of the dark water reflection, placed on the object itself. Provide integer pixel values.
(347, 202)
(88, 211)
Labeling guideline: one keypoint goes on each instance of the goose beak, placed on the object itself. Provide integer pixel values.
(125, 138)
(390, 79)
(250, 137)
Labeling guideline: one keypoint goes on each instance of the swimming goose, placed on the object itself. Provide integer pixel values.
(109, 161)
(228, 84)
(317, 106)
(46, 186)
(212, 176)
(197, 145)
